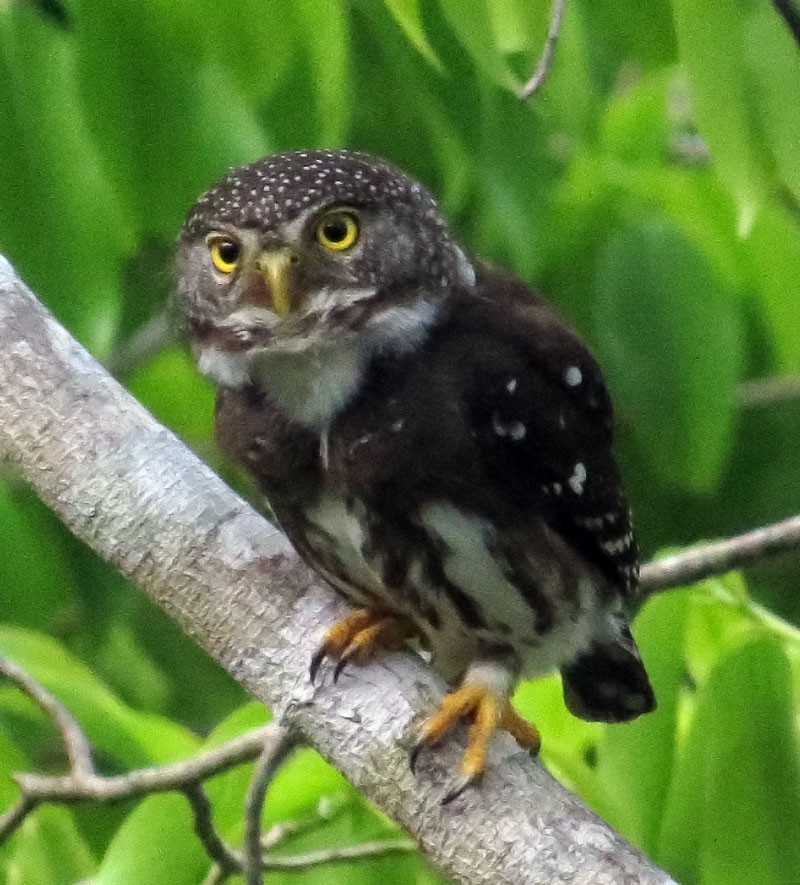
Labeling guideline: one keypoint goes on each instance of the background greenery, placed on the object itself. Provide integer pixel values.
(652, 190)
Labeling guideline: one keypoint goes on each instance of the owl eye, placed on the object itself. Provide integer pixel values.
(225, 252)
(338, 231)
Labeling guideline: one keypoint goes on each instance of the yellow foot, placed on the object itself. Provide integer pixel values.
(489, 712)
(358, 637)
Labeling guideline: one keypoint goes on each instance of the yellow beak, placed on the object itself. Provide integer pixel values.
(274, 266)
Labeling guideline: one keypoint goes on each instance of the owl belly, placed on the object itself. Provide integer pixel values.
(446, 570)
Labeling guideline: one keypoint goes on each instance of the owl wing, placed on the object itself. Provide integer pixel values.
(541, 416)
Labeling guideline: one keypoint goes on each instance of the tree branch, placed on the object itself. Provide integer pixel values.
(548, 54)
(719, 557)
(135, 494)
(276, 748)
(271, 743)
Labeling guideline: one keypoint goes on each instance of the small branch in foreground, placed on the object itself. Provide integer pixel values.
(271, 744)
(347, 852)
(767, 391)
(548, 54)
(719, 557)
(147, 341)
(75, 742)
(791, 16)
(276, 748)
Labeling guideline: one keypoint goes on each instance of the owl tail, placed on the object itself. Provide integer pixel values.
(608, 682)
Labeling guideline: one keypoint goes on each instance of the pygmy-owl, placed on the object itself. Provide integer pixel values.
(430, 434)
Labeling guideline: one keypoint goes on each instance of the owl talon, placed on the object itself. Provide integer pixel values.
(413, 755)
(337, 670)
(316, 660)
(463, 784)
(358, 638)
(490, 711)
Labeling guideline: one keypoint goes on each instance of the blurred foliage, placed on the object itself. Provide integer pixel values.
(651, 189)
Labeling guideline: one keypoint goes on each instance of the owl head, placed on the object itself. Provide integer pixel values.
(307, 246)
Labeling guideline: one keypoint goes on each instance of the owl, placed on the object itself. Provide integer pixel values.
(430, 434)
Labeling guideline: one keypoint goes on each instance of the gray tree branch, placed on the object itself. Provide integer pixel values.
(134, 493)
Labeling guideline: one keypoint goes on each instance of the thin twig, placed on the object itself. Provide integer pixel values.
(144, 781)
(767, 391)
(279, 744)
(325, 812)
(546, 58)
(147, 341)
(791, 15)
(216, 875)
(15, 815)
(345, 852)
(216, 847)
(76, 744)
(705, 560)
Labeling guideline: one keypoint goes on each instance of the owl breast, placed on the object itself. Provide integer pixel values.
(446, 570)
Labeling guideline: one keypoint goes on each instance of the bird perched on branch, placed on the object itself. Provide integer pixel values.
(431, 435)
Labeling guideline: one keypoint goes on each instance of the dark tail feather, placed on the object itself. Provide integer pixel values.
(608, 683)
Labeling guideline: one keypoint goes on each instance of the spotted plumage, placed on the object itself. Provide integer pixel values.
(430, 434)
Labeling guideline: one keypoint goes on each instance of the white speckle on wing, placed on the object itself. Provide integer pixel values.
(464, 268)
(397, 425)
(324, 446)
(514, 430)
(511, 384)
(578, 478)
(573, 376)
(615, 546)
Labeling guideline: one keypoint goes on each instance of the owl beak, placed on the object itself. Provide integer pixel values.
(274, 267)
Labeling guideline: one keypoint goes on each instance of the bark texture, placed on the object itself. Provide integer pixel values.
(132, 491)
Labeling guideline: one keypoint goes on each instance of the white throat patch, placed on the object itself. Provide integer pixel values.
(313, 376)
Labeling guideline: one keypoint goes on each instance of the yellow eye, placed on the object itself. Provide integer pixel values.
(338, 231)
(225, 252)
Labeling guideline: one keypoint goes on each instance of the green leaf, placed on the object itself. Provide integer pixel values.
(635, 759)
(49, 850)
(774, 65)
(176, 393)
(733, 812)
(712, 39)
(133, 738)
(34, 588)
(773, 251)
(567, 742)
(472, 25)
(61, 222)
(156, 845)
(669, 340)
(407, 14)
(169, 121)
(327, 41)
(635, 127)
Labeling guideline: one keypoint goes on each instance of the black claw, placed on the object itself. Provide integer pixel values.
(457, 790)
(340, 665)
(316, 660)
(413, 755)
